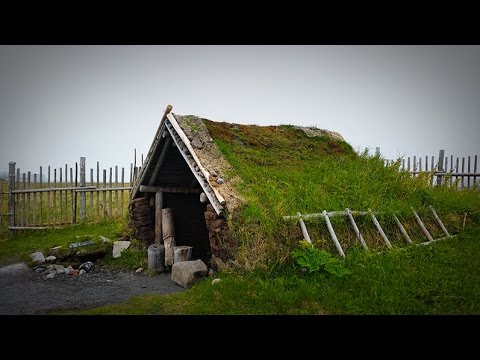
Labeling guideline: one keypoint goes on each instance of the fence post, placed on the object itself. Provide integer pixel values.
(11, 196)
(440, 166)
(83, 199)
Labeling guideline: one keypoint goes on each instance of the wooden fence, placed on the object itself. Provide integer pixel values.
(39, 201)
(459, 172)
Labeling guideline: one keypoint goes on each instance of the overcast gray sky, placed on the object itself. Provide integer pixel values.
(58, 103)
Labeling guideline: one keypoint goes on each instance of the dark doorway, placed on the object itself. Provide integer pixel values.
(189, 220)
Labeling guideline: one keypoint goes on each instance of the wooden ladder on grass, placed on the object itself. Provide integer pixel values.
(350, 214)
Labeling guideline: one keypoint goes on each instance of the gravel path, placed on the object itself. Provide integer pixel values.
(22, 291)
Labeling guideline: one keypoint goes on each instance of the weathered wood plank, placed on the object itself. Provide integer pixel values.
(332, 234)
(72, 198)
(422, 226)
(34, 220)
(104, 194)
(48, 196)
(355, 228)
(303, 227)
(98, 194)
(468, 170)
(168, 231)
(66, 193)
(169, 189)
(70, 188)
(463, 170)
(40, 220)
(439, 222)
(160, 160)
(60, 183)
(92, 218)
(27, 218)
(402, 230)
(475, 171)
(83, 202)
(441, 155)
(11, 196)
(110, 194)
(158, 217)
(54, 198)
(380, 230)
(116, 192)
(122, 193)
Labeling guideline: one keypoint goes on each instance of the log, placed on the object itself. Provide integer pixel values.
(169, 189)
(182, 253)
(156, 258)
(168, 231)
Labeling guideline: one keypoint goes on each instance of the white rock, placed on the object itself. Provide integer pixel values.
(81, 272)
(51, 275)
(119, 246)
(39, 270)
(187, 273)
(67, 271)
(51, 258)
(61, 270)
(105, 240)
(139, 270)
(220, 181)
(203, 198)
(216, 281)
(37, 257)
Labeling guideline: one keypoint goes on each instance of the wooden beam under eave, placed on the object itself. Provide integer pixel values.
(169, 189)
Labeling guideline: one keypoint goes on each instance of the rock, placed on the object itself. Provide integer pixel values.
(197, 168)
(104, 239)
(81, 272)
(187, 273)
(69, 267)
(50, 276)
(213, 173)
(74, 272)
(87, 266)
(37, 257)
(61, 270)
(49, 267)
(220, 181)
(203, 198)
(211, 272)
(216, 281)
(39, 270)
(51, 258)
(197, 143)
(139, 270)
(67, 271)
(119, 246)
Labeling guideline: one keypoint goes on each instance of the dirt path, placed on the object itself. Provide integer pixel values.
(22, 291)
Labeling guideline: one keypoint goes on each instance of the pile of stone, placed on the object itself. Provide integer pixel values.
(141, 220)
(47, 267)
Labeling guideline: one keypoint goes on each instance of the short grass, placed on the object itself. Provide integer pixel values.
(438, 279)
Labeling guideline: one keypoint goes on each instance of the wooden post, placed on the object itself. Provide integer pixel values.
(91, 196)
(66, 193)
(27, 221)
(40, 220)
(439, 222)
(463, 171)
(475, 171)
(54, 197)
(420, 223)
(131, 174)
(414, 163)
(110, 194)
(457, 169)
(104, 194)
(355, 228)
(426, 162)
(98, 193)
(469, 169)
(72, 197)
(158, 217)
(377, 151)
(168, 231)
(305, 234)
(48, 196)
(60, 183)
(402, 229)
(34, 200)
(379, 228)
(83, 202)
(332, 234)
(116, 192)
(122, 193)
(440, 169)
(403, 164)
(408, 164)
(74, 193)
(11, 197)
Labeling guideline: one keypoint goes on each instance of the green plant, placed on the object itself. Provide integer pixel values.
(315, 260)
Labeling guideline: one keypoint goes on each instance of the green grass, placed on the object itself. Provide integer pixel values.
(17, 248)
(442, 278)
(284, 172)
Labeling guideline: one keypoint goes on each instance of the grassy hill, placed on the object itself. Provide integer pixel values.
(285, 171)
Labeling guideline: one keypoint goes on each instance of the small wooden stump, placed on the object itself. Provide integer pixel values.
(182, 253)
(156, 258)
(168, 230)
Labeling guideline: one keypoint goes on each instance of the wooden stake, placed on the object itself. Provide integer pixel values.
(332, 234)
(439, 222)
(11, 197)
(83, 199)
(380, 230)
(306, 236)
(355, 228)
(422, 226)
(402, 229)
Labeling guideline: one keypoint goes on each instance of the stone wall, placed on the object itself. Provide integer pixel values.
(142, 220)
(221, 243)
